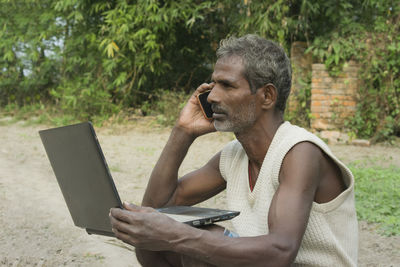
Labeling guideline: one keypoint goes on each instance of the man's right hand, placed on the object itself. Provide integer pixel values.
(196, 186)
(191, 119)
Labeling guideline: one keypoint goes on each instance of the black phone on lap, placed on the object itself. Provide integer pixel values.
(205, 105)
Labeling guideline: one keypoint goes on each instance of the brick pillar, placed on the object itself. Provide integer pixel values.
(301, 66)
(333, 99)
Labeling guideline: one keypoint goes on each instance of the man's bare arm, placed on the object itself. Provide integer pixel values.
(164, 188)
(287, 220)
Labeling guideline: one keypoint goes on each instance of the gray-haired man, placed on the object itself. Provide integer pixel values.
(296, 198)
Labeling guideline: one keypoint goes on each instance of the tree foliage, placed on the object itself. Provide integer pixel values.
(28, 70)
(92, 58)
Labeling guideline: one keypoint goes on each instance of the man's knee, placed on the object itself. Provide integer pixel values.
(188, 261)
(167, 258)
(144, 257)
(158, 258)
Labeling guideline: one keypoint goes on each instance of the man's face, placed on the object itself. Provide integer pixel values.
(233, 104)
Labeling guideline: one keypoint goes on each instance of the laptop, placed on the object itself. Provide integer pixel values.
(87, 185)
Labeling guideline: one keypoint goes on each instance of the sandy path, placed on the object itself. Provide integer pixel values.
(36, 227)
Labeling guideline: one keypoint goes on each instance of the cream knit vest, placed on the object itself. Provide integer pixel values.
(331, 236)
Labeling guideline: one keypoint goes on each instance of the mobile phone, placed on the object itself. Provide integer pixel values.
(205, 106)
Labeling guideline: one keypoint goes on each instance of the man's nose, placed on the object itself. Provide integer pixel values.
(214, 97)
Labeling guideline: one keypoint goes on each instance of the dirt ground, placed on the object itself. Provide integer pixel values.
(36, 227)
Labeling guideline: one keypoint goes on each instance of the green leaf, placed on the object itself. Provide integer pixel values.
(115, 47)
(9, 56)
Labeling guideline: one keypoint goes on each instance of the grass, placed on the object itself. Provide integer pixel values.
(165, 109)
(96, 256)
(377, 192)
(115, 168)
(36, 113)
(39, 113)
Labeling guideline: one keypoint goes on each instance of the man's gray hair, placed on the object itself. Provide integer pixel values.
(264, 62)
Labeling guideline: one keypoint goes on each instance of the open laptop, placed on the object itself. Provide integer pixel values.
(88, 188)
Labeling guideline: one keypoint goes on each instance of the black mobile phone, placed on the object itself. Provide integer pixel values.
(205, 106)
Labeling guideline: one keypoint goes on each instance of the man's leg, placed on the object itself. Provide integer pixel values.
(158, 258)
(188, 261)
(166, 258)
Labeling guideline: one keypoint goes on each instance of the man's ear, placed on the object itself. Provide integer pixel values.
(270, 94)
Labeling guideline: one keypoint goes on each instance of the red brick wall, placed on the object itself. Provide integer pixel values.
(301, 67)
(333, 99)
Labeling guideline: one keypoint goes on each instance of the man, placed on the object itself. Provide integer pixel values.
(296, 199)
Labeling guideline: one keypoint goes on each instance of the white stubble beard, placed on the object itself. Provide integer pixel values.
(239, 120)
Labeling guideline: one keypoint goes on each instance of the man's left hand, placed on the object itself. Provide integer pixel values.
(144, 227)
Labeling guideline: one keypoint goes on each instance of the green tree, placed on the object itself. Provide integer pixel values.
(92, 58)
(152, 45)
(28, 61)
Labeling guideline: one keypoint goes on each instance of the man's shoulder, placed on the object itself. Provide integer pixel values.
(295, 135)
(303, 153)
(298, 142)
(288, 128)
